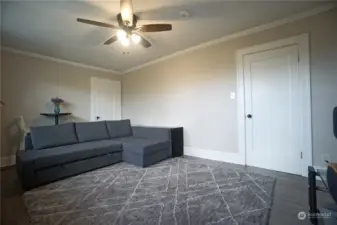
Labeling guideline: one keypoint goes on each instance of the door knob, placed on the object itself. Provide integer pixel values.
(97, 117)
(249, 116)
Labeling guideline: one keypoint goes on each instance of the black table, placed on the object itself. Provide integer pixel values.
(177, 141)
(55, 115)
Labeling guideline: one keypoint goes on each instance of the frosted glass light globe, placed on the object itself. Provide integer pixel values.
(125, 42)
(121, 35)
(135, 38)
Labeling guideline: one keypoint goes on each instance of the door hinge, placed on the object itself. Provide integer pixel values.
(301, 155)
(298, 57)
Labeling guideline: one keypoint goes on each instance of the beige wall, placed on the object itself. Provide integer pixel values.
(29, 83)
(193, 90)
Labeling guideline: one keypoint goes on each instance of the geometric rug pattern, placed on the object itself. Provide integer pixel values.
(178, 191)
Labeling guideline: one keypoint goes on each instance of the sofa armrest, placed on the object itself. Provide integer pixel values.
(158, 133)
(25, 168)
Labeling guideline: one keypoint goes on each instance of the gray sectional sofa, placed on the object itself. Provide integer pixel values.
(55, 152)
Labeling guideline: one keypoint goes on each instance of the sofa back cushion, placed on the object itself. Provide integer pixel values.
(53, 136)
(91, 131)
(119, 128)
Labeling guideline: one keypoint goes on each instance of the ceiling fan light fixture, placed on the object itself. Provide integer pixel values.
(125, 42)
(128, 32)
(121, 35)
(135, 38)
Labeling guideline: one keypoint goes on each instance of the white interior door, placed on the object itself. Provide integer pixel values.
(105, 99)
(272, 97)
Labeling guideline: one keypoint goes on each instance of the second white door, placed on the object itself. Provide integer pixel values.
(273, 110)
(105, 99)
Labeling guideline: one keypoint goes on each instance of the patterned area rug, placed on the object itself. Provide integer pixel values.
(186, 191)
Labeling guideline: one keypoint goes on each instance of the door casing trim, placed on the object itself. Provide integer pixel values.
(302, 41)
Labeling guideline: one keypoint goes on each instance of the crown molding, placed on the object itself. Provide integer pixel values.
(290, 19)
(58, 60)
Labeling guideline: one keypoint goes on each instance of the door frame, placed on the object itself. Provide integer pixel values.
(302, 41)
(92, 95)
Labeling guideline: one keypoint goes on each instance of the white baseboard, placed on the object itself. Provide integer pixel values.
(228, 157)
(7, 161)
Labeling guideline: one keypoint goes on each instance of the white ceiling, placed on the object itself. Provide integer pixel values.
(50, 28)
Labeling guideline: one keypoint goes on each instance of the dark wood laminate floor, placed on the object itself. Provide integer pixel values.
(289, 199)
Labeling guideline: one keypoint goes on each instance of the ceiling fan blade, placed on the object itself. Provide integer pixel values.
(120, 20)
(111, 40)
(155, 27)
(95, 23)
(127, 11)
(144, 42)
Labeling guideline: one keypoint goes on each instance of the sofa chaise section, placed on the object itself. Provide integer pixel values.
(147, 146)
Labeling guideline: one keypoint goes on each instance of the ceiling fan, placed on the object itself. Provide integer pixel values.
(127, 27)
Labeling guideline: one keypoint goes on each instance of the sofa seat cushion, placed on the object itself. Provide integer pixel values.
(143, 146)
(70, 153)
(92, 131)
(52, 136)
